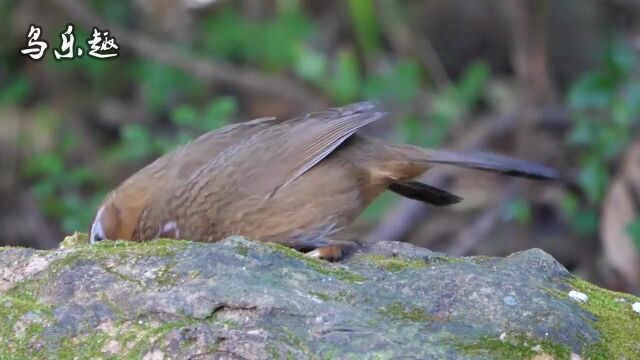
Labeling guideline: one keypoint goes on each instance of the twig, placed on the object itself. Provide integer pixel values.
(406, 213)
(204, 69)
(529, 51)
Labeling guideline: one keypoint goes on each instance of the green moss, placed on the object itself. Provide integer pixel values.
(400, 311)
(231, 324)
(341, 296)
(87, 347)
(519, 347)
(75, 240)
(320, 295)
(134, 339)
(400, 263)
(321, 266)
(112, 270)
(124, 249)
(616, 321)
(159, 247)
(297, 343)
(138, 338)
(12, 310)
(242, 250)
(166, 276)
(347, 297)
(394, 264)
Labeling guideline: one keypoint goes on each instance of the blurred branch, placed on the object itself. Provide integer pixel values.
(529, 50)
(406, 213)
(204, 69)
(402, 38)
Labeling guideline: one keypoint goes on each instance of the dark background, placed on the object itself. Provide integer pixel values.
(550, 81)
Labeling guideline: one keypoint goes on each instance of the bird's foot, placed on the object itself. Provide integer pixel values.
(329, 253)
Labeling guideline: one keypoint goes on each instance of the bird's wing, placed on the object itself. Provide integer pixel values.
(201, 150)
(266, 161)
(312, 140)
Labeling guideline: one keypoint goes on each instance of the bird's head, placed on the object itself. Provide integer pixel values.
(106, 224)
(116, 219)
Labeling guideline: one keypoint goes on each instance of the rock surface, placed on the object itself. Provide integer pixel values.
(239, 299)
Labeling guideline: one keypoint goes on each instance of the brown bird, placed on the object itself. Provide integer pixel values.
(298, 182)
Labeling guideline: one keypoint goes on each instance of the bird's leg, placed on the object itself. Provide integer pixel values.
(329, 253)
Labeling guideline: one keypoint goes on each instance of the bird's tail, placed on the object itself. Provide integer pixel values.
(481, 161)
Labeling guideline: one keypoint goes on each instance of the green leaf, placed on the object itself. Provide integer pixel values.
(593, 90)
(518, 210)
(218, 113)
(472, 83)
(310, 64)
(228, 35)
(414, 131)
(365, 23)
(594, 177)
(136, 142)
(446, 107)
(184, 115)
(162, 83)
(401, 83)
(620, 59)
(45, 164)
(585, 222)
(43, 189)
(569, 205)
(345, 83)
(78, 176)
(584, 132)
(279, 39)
(15, 90)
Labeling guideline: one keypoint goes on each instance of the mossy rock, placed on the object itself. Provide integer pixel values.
(244, 299)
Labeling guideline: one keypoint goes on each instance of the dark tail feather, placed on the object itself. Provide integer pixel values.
(425, 193)
(492, 162)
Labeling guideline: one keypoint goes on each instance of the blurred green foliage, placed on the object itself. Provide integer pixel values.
(365, 23)
(56, 185)
(605, 105)
(281, 43)
(270, 44)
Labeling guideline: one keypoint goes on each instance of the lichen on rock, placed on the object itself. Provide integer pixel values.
(244, 299)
